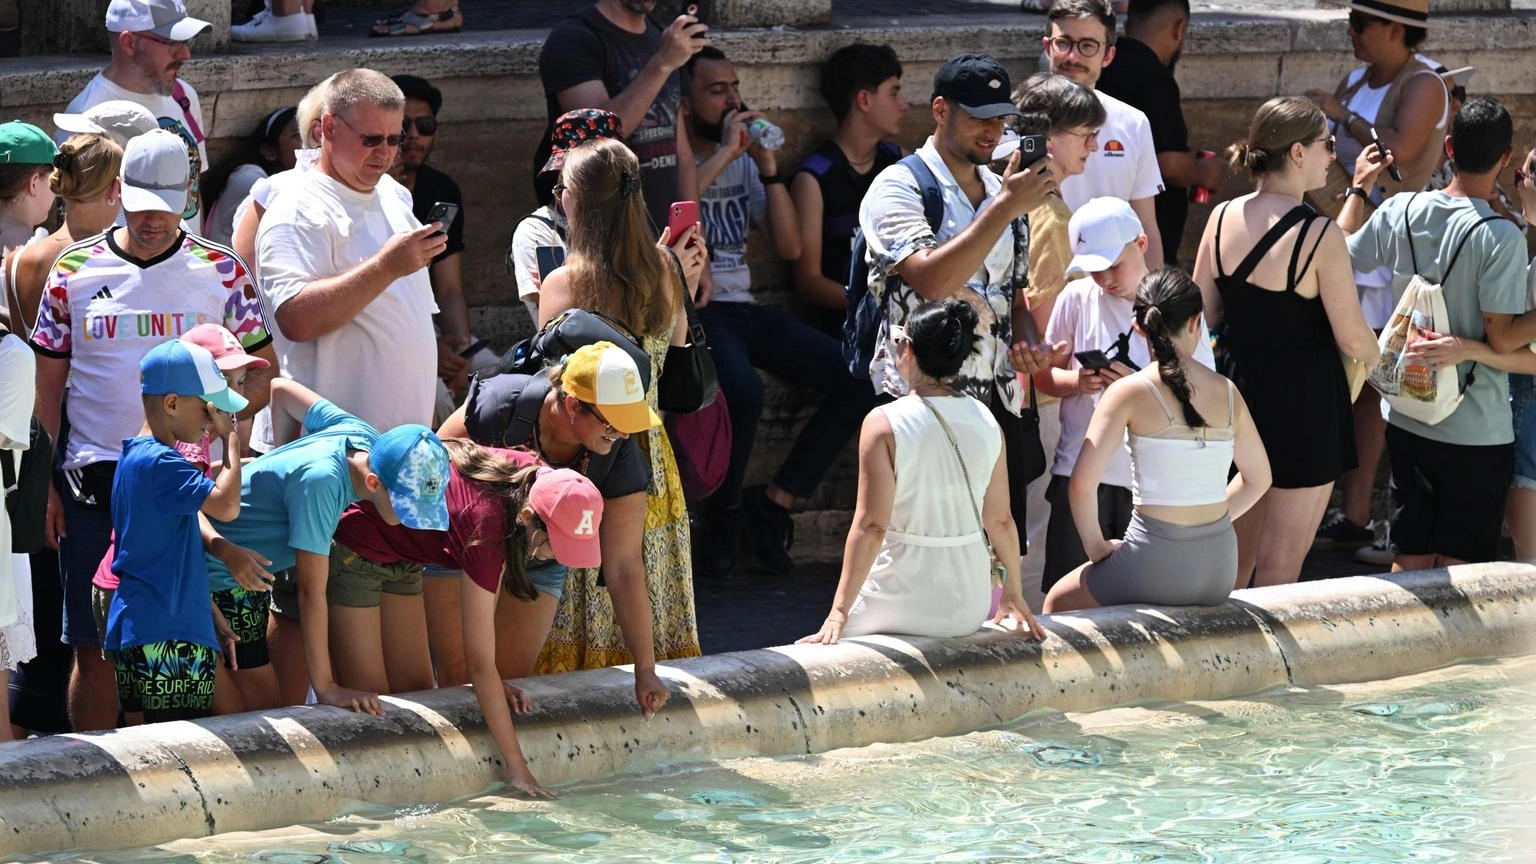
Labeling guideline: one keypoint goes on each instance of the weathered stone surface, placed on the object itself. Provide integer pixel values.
(152, 784)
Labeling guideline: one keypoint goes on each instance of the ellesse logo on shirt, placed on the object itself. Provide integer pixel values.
(1114, 148)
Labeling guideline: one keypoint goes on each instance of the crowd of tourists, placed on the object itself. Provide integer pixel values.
(325, 487)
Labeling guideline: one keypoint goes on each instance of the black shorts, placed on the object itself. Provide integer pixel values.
(1449, 497)
(246, 613)
(1063, 545)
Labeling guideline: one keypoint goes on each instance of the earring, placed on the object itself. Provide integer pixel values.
(111, 201)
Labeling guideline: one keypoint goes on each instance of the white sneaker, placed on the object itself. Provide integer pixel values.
(266, 27)
(1382, 551)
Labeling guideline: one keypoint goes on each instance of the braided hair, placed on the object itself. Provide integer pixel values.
(1165, 301)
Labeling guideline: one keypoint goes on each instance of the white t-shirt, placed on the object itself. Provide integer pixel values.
(18, 375)
(186, 122)
(543, 227)
(381, 365)
(103, 310)
(1124, 166)
(1091, 318)
(220, 225)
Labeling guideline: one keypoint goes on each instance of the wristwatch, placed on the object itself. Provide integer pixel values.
(1357, 190)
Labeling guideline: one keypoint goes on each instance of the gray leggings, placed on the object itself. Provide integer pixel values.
(1164, 564)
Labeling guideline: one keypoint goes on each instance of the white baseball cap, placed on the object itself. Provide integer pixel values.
(117, 119)
(155, 173)
(1099, 231)
(167, 19)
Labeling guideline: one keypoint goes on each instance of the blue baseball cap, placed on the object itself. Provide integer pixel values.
(187, 370)
(412, 463)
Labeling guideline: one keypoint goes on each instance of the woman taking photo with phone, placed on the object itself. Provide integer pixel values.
(613, 265)
(1279, 276)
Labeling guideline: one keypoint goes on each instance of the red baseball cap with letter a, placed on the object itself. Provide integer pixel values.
(572, 510)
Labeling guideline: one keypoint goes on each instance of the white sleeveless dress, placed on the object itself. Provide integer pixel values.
(932, 576)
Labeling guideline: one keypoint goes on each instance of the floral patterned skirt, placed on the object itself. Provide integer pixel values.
(586, 632)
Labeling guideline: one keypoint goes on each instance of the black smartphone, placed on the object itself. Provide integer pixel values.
(549, 258)
(1381, 148)
(1094, 360)
(443, 212)
(1031, 149)
(474, 349)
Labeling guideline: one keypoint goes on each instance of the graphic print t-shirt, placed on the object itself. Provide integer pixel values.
(103, 309)
(731, 205)
(587, 47)
(186, 122)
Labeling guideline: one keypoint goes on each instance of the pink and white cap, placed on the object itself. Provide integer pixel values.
(572, 510)
(226, 349)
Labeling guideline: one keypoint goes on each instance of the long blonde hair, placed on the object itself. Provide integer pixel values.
(613, 263)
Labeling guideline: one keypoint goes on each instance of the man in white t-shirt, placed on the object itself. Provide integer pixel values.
(1094, 314)
(149, 44)
(108, 300)
(342, 265)
(1080, 42)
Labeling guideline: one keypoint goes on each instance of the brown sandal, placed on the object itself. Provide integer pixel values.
(413, 23)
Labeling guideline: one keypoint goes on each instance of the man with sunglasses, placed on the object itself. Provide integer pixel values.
(343, 265)
(149, 43)
(428, 187)
(1080, 42)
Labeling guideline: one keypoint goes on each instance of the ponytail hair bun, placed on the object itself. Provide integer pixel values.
(943, 334)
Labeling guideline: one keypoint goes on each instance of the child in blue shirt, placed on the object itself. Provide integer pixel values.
(160, 625)
(291, 501)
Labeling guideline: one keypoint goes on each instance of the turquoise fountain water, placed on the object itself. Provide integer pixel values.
(1429, 768)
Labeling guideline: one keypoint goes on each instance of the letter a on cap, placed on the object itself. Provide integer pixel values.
(584, 527)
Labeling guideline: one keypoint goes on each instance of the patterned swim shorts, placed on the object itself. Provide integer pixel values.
(168, 680)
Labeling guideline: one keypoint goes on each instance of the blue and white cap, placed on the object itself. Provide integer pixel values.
(187, 370)
(413, 466)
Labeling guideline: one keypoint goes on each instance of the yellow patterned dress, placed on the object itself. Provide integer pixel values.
(586, 632)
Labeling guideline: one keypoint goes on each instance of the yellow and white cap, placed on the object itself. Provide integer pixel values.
(602, 374)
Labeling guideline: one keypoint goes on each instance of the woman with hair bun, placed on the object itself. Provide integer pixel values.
(1184, 425)
(1290, 309)
(85, 175)
(932, 479)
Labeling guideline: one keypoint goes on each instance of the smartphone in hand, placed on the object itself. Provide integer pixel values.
(1094, 360)
(443, 212)
(681, 216)
(1382, 149)
(549, 259)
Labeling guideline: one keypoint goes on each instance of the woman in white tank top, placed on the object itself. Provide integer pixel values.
(933, 497)
(1184, 425)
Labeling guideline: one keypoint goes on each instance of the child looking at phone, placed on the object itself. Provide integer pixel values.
(160, 628)
(1094, 313)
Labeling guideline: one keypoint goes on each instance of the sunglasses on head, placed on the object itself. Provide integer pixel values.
(371, 141)
(426, 126)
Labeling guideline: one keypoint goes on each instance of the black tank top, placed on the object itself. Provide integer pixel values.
(1272, 321)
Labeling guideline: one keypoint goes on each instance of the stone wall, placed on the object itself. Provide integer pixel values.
(494, 115)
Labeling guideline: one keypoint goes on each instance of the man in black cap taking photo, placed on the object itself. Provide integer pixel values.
(978, 251)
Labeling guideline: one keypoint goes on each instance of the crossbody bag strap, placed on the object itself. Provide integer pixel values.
(966, 475)
(1413, 257)
(695, 327)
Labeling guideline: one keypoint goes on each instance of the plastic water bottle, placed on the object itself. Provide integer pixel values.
(765, 134)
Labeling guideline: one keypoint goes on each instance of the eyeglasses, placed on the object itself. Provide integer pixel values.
(372, 141)
(1088, 137)
(1327, 141)
(426, 126)
(1064, 45)
(608, 428)
(898, 334)
(558, 189)
(173, 44)
(1358, 21)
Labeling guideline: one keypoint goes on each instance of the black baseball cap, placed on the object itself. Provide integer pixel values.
(977, 83)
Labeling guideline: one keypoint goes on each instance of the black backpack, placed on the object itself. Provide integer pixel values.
(26, 479)
(866, 311)
(565, 333)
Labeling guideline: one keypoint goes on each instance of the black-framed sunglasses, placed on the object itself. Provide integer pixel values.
(372, 141)
(598, 416)
(1064, 45)
(1328, 142)
(426, 126)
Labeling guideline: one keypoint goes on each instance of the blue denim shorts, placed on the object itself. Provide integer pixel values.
(549, 578)
(1522, 400)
